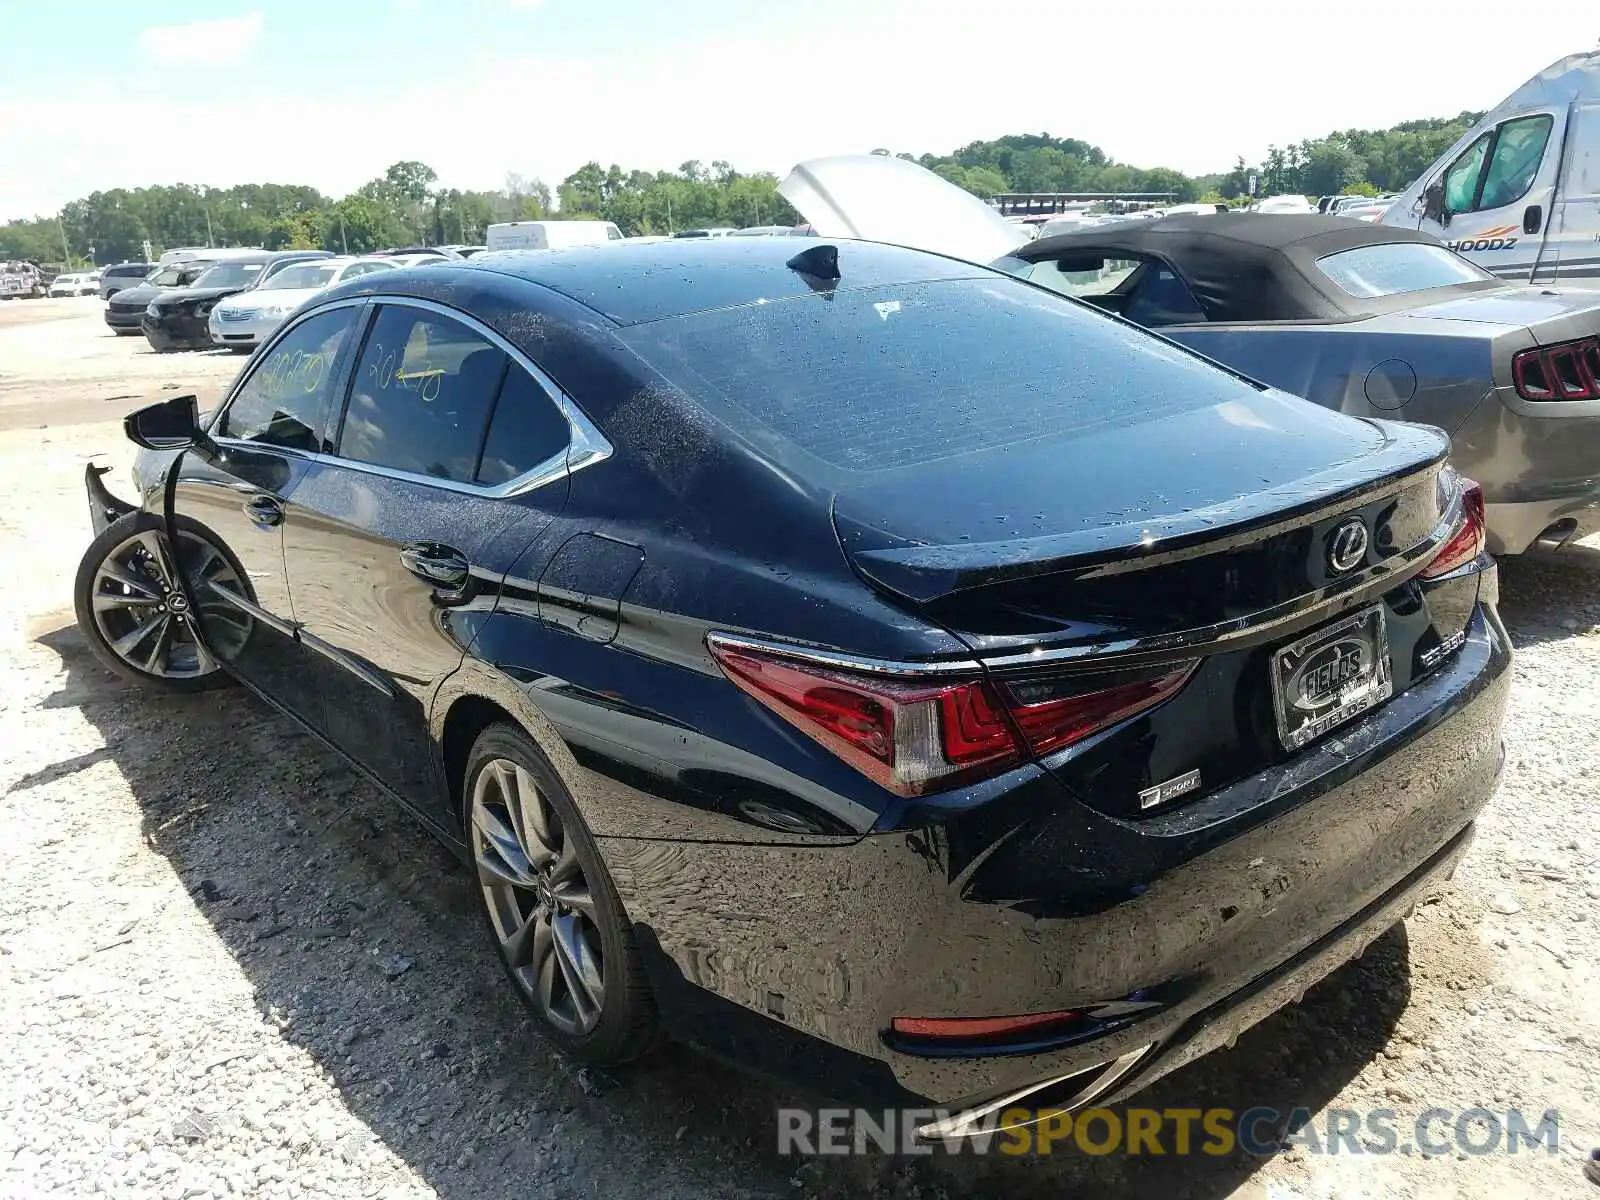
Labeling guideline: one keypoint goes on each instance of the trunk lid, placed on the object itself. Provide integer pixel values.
(1188, 521)
(1527, 307)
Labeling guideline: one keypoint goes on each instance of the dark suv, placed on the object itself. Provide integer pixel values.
(122, 276)
(125, 310)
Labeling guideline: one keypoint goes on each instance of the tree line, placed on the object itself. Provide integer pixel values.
(407, 206)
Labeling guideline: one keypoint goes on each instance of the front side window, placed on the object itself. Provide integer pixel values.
(285, 401)
(1080, 276)
(421, 397)
(1394, 268)
(1461, 180)
(1518, 151)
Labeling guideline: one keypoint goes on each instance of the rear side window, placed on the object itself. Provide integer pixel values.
(890, 377)
(528, 430)
(423, 390)
(1394, 268)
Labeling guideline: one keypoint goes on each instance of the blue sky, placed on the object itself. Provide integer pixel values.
(105, 93)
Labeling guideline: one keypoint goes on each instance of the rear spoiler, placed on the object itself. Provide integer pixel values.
(926, 573)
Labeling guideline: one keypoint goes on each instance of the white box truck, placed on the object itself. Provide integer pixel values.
(549, 235)
(1519, 194)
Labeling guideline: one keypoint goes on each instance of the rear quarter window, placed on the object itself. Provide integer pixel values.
(1395, 268)
(885, 378)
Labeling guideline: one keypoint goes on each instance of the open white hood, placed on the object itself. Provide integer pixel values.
(882, 199)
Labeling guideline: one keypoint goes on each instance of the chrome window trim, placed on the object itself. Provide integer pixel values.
(586, 445)
(840, 660)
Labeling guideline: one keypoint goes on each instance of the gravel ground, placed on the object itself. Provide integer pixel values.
(229, 968)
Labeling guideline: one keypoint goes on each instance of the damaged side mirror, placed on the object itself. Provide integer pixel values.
(1433, 205)
(170, 425)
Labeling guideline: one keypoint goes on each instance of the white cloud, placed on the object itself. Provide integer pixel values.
(223, 43)
(913, 75)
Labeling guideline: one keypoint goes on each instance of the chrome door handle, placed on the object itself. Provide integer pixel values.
(439, 565)
(264, 510)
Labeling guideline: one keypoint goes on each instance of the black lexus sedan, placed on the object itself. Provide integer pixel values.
(178, 319)
(867, 666)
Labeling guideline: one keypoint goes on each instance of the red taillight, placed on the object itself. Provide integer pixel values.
(1467, 542)
(1050, 723)
(915, 736)
(981, 1027)
(1569, 371)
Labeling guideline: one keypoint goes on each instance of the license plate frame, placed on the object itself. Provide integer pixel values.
(1330, 676)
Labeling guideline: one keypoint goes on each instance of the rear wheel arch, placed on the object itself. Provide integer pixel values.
(476, 697)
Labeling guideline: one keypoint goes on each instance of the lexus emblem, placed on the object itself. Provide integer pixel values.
(1347, 545)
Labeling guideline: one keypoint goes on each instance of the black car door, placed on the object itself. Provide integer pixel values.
(266, 434)
(450, 458)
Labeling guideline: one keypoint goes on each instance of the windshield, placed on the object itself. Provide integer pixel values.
(229, 274)
(167, 277)
(1395, 268)
(301, 276)
(890, 377)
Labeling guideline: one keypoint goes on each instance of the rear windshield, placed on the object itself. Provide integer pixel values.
(230, 274)
(304, 275)
(1394, 268)
(883, 378)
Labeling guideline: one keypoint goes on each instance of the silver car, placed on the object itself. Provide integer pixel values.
(243, 321)
(1370, 320)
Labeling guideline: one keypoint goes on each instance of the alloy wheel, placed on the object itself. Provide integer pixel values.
(144, 617)
(538, 897)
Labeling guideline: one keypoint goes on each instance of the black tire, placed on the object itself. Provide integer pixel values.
(84, 589)
(627, 1024)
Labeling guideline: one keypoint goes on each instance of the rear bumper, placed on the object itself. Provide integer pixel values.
(1515, 527)
(1176, 930)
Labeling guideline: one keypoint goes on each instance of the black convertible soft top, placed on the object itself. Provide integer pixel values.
(1247, 266)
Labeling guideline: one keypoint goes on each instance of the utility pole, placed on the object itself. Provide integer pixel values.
(66, 254)
(343, 241)
(669, 212)
(207, 209)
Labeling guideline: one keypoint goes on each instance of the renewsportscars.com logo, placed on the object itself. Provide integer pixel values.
(1500, 238)
(1262, 1131)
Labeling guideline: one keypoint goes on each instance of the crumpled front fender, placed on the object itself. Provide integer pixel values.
(104, 508)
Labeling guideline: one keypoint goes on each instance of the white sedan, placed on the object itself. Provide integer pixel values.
(242, 321)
